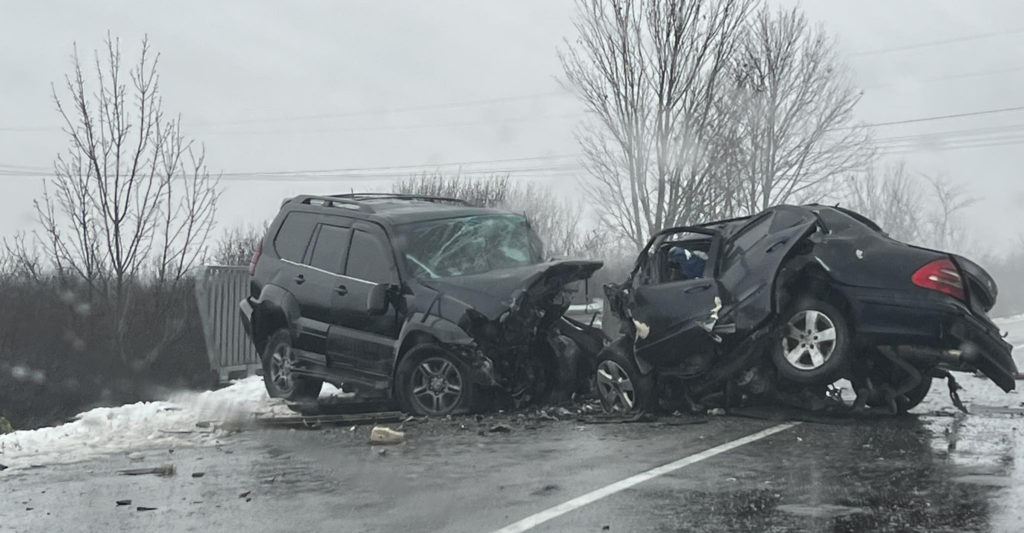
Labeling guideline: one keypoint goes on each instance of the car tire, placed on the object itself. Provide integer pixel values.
(619, 383)
(911, 398)
(813, 346)
(432, 381)
(278, 361)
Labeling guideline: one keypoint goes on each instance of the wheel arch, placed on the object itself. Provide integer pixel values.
(813, 280)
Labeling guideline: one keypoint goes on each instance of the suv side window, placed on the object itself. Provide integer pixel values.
(330, 248)
(370, 259)
(293, 237)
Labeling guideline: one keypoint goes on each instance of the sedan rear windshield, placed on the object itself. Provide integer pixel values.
(468, 245)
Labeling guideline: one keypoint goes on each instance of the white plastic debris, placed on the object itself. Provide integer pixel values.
(386, 435)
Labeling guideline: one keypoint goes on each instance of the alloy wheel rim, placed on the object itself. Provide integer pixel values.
(436, 385)
(809, 340)
(281, 363)
(615, 387)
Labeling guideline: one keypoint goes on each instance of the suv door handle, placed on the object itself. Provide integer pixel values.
(300, 279)
(341, 289)
(697, 288)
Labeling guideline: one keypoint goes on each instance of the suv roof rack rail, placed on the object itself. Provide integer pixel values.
(398, 196)
(330, 201)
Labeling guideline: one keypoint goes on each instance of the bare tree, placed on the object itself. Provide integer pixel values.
(237, 244)
(487, 191)
(650, 73)
(797, 117)
(891, 197)
(918, 209)
(944, 220)
(130, 191)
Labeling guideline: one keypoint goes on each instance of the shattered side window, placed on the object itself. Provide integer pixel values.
(469, 245)
(745, 239)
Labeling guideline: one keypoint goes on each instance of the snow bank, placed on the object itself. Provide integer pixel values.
(184, 419)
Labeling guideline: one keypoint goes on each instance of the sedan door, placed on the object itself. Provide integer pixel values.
(673, 312)
(752, 258)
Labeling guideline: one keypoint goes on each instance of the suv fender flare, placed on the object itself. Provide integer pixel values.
(422, 328)
(419, 325)
(274, 309)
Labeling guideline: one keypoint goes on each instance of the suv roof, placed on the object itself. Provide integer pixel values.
(394, 208)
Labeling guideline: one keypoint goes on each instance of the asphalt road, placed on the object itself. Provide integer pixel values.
(935, 470)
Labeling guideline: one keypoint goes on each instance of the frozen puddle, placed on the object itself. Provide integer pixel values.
(184, 419)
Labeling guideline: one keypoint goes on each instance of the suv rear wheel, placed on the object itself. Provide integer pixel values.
(432, 381)
(278, 363)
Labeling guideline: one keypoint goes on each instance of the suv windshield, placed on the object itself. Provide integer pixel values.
(469, 245)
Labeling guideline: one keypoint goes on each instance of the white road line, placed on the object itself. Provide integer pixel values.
(533, 521)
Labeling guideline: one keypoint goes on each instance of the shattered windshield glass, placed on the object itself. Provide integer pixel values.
(469, 245)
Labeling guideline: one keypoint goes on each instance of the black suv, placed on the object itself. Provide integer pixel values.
(430, 302)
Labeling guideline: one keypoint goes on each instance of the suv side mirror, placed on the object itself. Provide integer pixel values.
(378, 298)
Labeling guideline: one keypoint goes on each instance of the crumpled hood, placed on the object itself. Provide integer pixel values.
(492, 293)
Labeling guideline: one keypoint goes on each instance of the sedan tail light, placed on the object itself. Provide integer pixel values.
(255, 258)
(942, 276)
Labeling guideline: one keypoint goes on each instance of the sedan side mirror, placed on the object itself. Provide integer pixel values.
(378, 298)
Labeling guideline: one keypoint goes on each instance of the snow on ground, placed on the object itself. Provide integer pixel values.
(184, 419)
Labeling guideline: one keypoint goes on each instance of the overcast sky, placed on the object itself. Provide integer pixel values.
(276, 86)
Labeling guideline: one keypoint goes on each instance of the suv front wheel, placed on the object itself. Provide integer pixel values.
(432, 381)
(278, 376)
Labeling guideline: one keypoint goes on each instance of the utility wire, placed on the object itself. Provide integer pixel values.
(929, 44)
(384, 111)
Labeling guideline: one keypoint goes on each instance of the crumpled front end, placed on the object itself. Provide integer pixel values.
(523, 350)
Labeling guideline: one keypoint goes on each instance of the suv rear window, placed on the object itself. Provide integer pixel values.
(292, 239)
(330, 249)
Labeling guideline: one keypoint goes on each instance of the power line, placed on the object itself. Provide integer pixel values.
(941, 117)
(400, 127)
(929, 44)
(404, 167)
(965, 75)
(385, 111)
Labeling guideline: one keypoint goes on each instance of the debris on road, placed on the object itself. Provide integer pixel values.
(163, 470)
(348, 419)
(123, 502)
(499, 428)
(245, 494)
(385, 435)
(141, 508)
(198, 474)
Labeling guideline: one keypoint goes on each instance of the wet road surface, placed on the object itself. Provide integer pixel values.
(934, 470)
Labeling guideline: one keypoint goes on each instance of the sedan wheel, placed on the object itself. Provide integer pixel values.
(620, 385)
(813, 346)
(615, 387)
(809, 340)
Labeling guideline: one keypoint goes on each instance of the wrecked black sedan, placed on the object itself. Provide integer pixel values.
(782, 304)
(428, 302)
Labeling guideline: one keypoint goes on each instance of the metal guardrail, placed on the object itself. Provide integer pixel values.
(218, 291)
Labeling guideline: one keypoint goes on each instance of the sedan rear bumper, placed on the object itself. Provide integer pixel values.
(923, 318)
